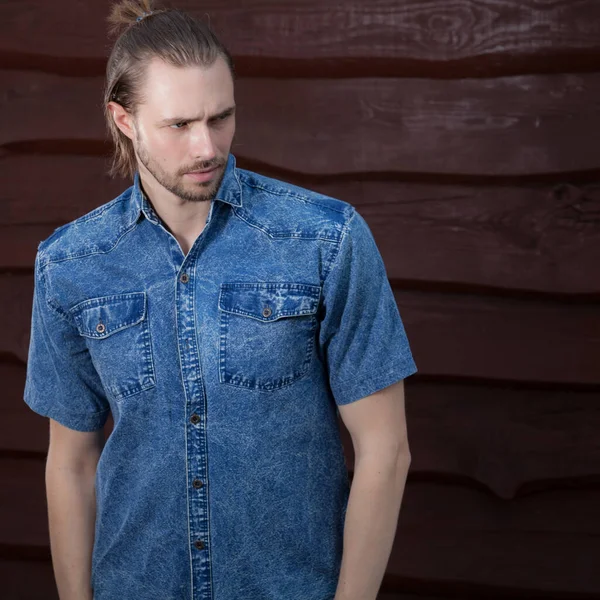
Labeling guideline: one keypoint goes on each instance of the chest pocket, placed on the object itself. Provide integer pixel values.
(267, 333)
(118, 339)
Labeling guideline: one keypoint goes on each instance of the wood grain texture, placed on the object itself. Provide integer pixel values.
(53, 189)
(538, 238)
(545, 542)
(513, 126)
(508, 441)
(23, 507)
(27, 580)
(432, 31)
(464, 131)
(21, 429)
(484, 337)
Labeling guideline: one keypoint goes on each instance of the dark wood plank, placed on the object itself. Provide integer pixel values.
(510, 441)
(545, 542)
(493, 31)
(535, 238)
(23, 506)
(64, 187)
(18, 244)
(504, 126)
(27, 580)
(450, 547)
(514, 441)
(542, 238)
(451, 334)
(21, 429)
(445, 533)
(16, 299)
(500, 338)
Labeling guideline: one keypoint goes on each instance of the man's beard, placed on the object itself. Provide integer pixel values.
(203, 192)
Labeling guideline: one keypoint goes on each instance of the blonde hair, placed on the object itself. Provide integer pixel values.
(145, 33)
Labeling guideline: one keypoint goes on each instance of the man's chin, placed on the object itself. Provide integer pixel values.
(197, 192)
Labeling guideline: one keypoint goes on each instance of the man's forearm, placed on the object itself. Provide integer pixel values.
(370, 526)
(71, 520)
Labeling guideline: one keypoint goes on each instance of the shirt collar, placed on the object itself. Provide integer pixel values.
(229, 192)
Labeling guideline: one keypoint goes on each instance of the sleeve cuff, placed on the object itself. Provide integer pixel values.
(350, 391)
(76, 421)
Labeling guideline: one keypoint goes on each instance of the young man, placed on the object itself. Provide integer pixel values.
(222, 317)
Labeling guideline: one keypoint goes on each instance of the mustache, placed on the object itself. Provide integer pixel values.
(202, 167)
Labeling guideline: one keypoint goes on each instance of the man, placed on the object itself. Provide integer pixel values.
(223, 318)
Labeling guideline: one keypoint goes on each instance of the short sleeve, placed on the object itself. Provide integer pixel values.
(362, 335)
(61, 381)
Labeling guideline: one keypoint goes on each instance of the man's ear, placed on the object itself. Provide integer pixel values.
(123, 120)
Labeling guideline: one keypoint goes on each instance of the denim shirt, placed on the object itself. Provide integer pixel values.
(224, 475)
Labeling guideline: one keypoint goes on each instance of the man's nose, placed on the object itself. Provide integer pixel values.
(202, 144)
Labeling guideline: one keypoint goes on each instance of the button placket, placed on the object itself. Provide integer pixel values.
(191, 373)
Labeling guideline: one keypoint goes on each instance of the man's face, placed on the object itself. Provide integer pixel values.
(185, 123)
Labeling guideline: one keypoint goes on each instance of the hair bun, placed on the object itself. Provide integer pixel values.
(125, 13)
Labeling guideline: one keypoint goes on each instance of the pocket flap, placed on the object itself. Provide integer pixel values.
(269, 301)
(103, 316)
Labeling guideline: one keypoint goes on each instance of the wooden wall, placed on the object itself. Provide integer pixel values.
(466, 133)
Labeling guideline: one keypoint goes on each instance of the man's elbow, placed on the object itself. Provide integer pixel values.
(403, 457)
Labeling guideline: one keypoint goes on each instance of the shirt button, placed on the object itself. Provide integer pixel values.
(100, 328)
(184, 278)
(194, 418)
(266, 311)
(197, 483)
(199, 544)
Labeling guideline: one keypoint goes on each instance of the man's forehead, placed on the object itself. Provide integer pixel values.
(173, 91)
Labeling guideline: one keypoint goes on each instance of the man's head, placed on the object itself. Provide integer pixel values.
(169, 100)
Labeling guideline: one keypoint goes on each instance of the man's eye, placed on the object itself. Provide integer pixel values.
(182, 123)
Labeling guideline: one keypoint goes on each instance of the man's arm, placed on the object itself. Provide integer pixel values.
(377, 425)
(70, 477)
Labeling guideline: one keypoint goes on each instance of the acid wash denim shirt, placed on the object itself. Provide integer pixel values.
(224, 476)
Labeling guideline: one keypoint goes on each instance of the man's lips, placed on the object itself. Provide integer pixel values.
(201, 175)
(206, 171)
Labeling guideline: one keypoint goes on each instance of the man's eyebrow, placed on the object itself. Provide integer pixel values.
(172, 120)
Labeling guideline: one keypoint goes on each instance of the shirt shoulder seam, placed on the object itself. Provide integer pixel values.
(290, 193)
(344, 234)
